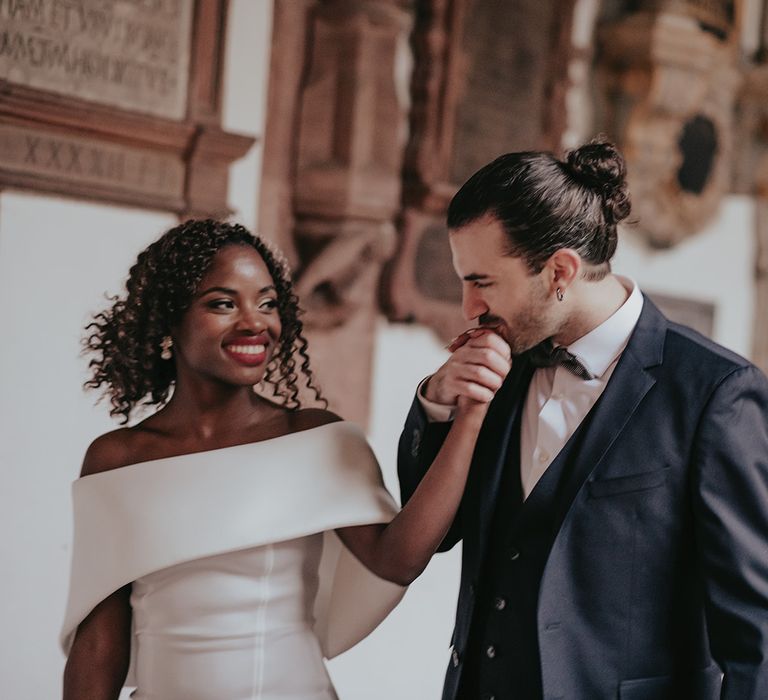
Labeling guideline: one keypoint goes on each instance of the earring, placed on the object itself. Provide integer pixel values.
(166, 344)
(559, 294)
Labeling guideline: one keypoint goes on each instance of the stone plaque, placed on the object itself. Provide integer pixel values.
(507, 56)
(90, 163)
(699, 315)
(672, 90)
(128, 54)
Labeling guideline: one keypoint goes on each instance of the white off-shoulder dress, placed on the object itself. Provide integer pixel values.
(240, 587)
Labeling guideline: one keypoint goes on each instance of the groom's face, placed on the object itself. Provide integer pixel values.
(499, 290)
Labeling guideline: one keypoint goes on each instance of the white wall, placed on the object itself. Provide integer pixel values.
(249, 41)
(406, 657)
(57, 259)
(716, 265)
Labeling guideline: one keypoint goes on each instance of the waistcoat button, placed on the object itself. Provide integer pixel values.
(490, 652)
(513, 554)
(499, 603)
(455, 658)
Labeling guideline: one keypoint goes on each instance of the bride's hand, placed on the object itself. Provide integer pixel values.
(469, 408)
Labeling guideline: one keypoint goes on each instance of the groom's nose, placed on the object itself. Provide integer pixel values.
(472, 303)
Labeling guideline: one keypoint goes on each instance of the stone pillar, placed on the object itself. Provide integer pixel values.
(351, 136)
(290, 34)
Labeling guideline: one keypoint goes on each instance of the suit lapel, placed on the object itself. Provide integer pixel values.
(626, 388)
(629, 383)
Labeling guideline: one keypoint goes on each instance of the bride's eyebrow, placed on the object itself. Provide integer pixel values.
(234, 292)
(223, 290)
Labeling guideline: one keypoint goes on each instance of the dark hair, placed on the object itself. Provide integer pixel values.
(546, 204)
(126, 337)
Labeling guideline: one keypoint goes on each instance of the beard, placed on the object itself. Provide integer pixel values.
(532, 324)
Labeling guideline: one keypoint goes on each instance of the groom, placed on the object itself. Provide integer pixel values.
(615, 520)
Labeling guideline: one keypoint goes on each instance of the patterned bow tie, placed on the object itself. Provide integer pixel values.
(547, 355)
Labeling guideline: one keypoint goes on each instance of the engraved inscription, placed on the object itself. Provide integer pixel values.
(503, 100)
(78, 160)
(130, 54)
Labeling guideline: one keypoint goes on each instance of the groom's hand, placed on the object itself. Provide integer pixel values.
(479, 362)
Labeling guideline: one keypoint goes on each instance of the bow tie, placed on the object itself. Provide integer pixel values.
(547, 355)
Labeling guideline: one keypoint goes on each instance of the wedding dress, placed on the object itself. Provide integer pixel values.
(240, 587)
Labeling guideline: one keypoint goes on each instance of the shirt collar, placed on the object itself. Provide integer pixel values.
(598, 349)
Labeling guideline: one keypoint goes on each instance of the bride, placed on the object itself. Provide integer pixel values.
(206, 560)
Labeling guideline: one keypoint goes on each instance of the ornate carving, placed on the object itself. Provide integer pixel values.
(90, 146)
(39, 157)
(407, 299)
(127, 55)
(332, 169)
(672, 82)
(352, 124)
(476, 94)
(345, 259)
(290, 34)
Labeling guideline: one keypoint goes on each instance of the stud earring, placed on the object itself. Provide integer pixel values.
(166, 344)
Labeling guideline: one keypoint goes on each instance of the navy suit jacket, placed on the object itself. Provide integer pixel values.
(657, 579)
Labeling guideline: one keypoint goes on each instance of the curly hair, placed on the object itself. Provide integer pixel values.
(126, 337)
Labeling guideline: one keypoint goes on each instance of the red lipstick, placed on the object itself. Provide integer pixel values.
(250, 350)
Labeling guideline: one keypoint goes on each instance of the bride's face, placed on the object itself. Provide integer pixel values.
(232, 327)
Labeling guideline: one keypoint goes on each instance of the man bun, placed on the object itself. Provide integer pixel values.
(600, 167)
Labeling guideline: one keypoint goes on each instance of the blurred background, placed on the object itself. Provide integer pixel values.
(339, 130)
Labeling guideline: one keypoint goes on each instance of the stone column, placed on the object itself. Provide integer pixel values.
(351, 136)
(486, 81)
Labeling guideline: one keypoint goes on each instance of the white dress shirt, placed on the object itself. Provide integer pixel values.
(558, 400)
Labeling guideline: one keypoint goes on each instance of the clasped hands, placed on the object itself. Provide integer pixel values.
(480, 360)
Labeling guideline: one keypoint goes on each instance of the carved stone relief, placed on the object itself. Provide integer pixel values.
(672, 80)
(485, 83)
(337, 174)
(291, 25)
(37, 155)
(128, 55)
(118, 102)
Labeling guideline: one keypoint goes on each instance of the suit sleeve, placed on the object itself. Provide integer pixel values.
(731, 515)
(419, 444)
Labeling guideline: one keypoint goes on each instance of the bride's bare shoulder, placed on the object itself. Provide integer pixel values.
(112, 450)
(308, 418)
